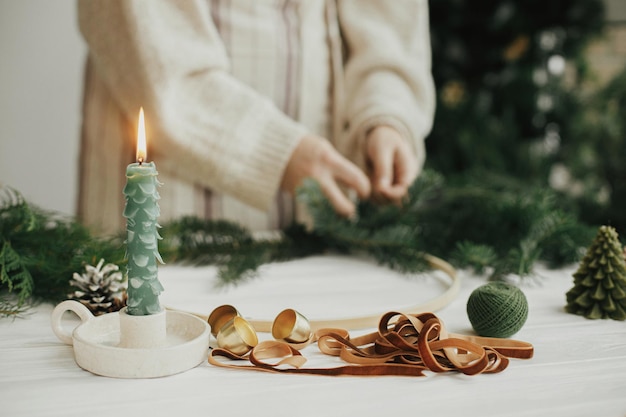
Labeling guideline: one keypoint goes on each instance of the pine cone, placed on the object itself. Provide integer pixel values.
(101, 289)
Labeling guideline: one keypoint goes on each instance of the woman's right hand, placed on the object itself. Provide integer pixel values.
(314, 157)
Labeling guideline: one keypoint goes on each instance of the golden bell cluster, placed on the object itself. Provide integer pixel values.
(235, 334)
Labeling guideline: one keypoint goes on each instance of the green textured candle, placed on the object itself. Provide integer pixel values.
(141, 212)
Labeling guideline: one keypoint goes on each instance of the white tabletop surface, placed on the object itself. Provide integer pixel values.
(579, 367)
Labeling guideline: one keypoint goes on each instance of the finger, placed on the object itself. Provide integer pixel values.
(406, 168)
(395, 193)
(405, 172)
(380, 199)
(351, 176)
(382, 160)
(340, 202)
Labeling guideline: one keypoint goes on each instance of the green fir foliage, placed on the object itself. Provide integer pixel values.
(14, 273)
(503, 226)
(40, 250)
(474, 256)
(231, 247)
(506, 224)
(493, 225)
(599, 290)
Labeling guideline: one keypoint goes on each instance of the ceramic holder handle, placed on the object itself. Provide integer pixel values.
(57, 319)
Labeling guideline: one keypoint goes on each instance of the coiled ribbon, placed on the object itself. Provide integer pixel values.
(404, 345)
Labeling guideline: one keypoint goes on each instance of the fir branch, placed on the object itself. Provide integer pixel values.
(202, 242)
(233, 249)
(14, 274)
(518, 222)
(15, 214)
(41, 250)
(501, 224)
(241, 267)
(475, 256)
(376, 230)
(9, 308)
(402, 259)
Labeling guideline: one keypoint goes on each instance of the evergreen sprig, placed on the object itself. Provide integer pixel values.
(14, 273)
(39, 251)
(474, 256)
(495, 225)
(380, 231)
(236, 252)
(501, 224)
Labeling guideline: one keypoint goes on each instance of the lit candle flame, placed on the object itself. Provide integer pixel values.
(142, 151)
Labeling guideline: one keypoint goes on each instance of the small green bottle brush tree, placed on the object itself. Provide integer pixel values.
(599, 290)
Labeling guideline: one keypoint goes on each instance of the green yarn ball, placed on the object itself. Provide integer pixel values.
(497, 309)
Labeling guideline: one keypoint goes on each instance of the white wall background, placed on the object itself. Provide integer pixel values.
(41, 65)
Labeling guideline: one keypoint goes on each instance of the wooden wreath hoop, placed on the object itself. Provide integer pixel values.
(363, 322)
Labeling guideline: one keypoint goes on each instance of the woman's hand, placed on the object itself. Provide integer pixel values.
(316, 158)
(393, 164)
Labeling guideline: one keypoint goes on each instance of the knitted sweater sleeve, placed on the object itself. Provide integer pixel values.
(388, 78)
(167, 57)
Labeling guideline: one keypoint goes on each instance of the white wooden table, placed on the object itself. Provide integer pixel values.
(579, 367)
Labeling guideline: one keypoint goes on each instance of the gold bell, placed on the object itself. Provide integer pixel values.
(237, 336)
(220, 316)
(291, 326)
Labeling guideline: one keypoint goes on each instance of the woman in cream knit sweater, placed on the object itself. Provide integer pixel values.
(246, 98)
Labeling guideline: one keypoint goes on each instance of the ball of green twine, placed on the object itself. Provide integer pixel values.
(497, 309)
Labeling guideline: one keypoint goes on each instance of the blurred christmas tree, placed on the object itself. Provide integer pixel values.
(593, 156)
(498, 67)
(504, 104)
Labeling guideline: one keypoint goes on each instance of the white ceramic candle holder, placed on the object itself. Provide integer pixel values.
(120, 345)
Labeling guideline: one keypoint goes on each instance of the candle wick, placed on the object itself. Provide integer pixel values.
(140, 160)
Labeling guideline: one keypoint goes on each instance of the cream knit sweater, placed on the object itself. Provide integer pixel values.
(221, 132)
